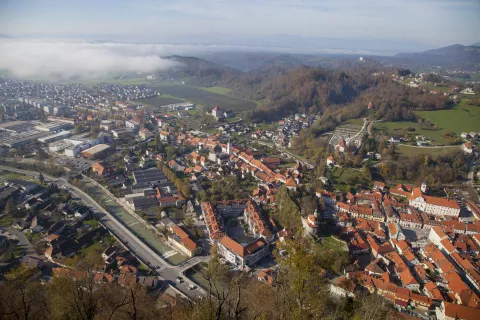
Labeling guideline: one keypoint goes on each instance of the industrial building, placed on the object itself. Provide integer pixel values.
(17, 139)
(96, 152)
(53, 126)
(58, 146)
(55, 137)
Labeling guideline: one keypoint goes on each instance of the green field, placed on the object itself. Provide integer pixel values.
(343, 175)
(204, 97)
(439, 88)
(160, 100)
(414, 151)
(398, 128)
(217, 89)
(461, 118)
(357, 121)
(332, 243)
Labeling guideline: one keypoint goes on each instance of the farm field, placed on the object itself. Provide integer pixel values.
(461, 118)
(205, 98)
(415, 151)
(217, 89)
(160, 100)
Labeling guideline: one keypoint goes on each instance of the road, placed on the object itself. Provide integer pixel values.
(302, 161)
(166, 272)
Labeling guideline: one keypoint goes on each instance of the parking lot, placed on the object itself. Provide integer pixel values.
(74, 164)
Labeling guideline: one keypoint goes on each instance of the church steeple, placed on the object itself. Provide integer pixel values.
(424, 186)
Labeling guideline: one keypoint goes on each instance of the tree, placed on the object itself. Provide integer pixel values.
(188, 221)
(366, 174)
(10, 207)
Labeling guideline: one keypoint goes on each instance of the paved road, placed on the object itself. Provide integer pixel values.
(302, 161)
(166, 272)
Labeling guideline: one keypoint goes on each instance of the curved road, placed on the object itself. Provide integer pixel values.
(165, 271)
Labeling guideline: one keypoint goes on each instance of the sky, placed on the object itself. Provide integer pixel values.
(409, 23)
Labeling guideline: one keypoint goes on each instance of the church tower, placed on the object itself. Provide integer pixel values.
(229, 148)
(424, 187)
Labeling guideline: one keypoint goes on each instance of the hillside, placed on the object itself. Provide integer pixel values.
(197, 71)
(454, 56)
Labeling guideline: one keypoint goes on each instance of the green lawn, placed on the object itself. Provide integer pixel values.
(92, 222)
(217, 89)
(343, 175)
(6, 221)
(334, 244)
(461, 118)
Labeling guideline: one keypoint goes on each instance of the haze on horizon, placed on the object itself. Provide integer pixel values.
(53, 38)
(380, 24)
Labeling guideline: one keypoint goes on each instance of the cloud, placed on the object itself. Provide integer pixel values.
(60, 59)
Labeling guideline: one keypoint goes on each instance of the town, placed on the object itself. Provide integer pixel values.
(150, 200)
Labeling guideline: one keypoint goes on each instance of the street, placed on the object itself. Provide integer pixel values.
(167, 272)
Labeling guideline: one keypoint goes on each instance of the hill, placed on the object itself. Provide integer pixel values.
(196, 71)
(454, 56)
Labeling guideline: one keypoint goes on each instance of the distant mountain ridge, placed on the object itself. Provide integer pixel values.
(454, 56)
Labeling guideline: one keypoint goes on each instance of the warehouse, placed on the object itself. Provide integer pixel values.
(58, 146)
(55, 137)
(96, 152)
(53, 126)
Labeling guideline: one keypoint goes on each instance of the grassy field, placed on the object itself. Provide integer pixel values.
(334, 244)
(217, 89)
(343, 175)
(414, 151)
(461, 118)
(439, 88)
(204, 97)
(358, 122)
(160, 100)
(398, 128)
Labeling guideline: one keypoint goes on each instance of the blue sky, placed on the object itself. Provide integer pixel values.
(430, 22)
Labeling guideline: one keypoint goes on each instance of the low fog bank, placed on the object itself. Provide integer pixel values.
(64, 60)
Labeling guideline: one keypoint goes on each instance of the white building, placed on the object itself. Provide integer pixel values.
(434, 205)
(467, 147)
(72, 151)
(437, 235)
(242, 256)
(310, 224)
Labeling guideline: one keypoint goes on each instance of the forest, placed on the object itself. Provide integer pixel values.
(314, 90)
